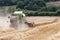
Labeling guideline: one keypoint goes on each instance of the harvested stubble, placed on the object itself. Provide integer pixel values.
(34, 21)
(36, 33)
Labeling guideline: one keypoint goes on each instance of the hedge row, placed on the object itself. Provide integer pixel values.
(43, 13)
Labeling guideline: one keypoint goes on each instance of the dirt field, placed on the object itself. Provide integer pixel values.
(43, 32)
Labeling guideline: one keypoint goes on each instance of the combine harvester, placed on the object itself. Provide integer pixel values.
(17, 20)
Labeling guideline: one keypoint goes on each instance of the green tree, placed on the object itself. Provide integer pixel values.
(52, 8)
(11, 9)
(20, 4)
(31, 4)
(7, 2)
(58, 12)
(49, 9)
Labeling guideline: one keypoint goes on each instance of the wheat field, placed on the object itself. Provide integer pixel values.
(43, 32)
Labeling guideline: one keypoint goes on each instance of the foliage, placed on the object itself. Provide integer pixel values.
(47, 13)
(40, 13)
(52, 8)
(58, 12)
(49, 9)
(26, 2)
(31, 4)
(35, 7)
(7, 2)
(11, 9)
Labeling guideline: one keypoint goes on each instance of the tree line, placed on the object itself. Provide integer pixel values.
(25, 4)
(14, 2)
(7, 2)
(32, 7)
